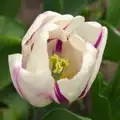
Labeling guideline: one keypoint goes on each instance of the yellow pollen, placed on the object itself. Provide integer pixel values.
(57, 65)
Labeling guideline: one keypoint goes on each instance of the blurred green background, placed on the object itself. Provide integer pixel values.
(103, 100)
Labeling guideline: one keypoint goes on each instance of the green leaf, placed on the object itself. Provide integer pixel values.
(101, 108)
(18, 108)
(11, 27)
(1, 116)
(54, 5)
(116, 109)
(112, 49)
(39, 112)
(8, 45)
(4, 92)
(100, 105)
(116, 84)
(3, 105)
(113, 90)
(96, 87)
(99, 85)
(8, 114)
(58, 114)
(75, 7)
(65, 6)
(9, 7)
(113, 11)
(92, 1)
(10, 33)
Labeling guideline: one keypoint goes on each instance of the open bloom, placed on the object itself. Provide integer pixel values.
(60, 59)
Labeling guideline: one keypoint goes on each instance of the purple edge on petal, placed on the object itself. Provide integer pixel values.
(84, 91)
(98, 40)
(58, 46)
(16, 72)
(59, 95)
(96, 46)
(65, 26)
(50, 39)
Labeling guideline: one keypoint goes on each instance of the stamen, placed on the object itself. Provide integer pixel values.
(57, 66)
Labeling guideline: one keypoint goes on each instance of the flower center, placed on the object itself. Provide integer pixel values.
(57, 66)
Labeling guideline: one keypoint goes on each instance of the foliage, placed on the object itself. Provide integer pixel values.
(105, 95)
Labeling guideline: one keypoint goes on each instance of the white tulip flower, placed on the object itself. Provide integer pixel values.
(61, 56)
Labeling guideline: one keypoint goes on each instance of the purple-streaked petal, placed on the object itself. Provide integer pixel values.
(28, 40)
(41, 20)
(29, 84)
(65, 26)
(72, 50)
(96, 45)
(14, 62)
(49, 40)
(62, 20)
(74, 23)
(84, 91)
(61, 98)
(58, 46)
(72, 88)
(38, 59)
(99, 58)
(16, 77)
(89, 31)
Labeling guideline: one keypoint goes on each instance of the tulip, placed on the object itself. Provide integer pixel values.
(60, 58)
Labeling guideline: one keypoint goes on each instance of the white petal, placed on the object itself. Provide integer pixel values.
(14, 60)
(72, 50)
(89, 31)
(77, 21)
(39, 21)
(71, 89)
(77, 42)
(35, 88)
(62, 20)
(54, 30)
(99, 57)
(38, 59)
